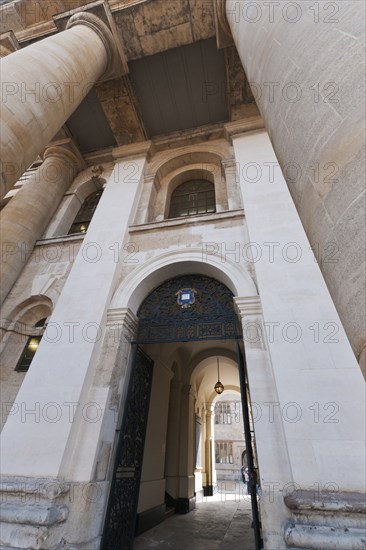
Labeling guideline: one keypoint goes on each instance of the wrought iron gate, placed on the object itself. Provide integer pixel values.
(119, 527)
(188, 308)
(252, 482)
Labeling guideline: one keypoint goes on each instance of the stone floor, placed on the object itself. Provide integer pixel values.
(221, 522)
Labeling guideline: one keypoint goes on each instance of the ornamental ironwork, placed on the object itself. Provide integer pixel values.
(186, 308)
(120, 521)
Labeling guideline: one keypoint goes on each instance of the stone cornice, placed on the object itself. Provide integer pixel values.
(8, 43)
(140, 149)
(122, 316)
(333, 501)
(238, 127)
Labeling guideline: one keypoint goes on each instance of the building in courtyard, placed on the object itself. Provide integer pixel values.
(182, 187)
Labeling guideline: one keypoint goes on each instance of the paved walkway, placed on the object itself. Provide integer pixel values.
(221, 522)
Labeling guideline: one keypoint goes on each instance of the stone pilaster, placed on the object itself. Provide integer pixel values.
(210, 486)
(304, 379)
(26, 216)
(62, 370)
(43, 84)
(274, 468)
(173, 441)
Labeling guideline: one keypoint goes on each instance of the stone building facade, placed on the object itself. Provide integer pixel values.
(182, 181)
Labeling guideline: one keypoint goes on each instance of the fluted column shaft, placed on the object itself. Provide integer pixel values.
(26, 216)
(43, 84)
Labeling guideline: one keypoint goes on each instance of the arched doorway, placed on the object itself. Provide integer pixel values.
(183, 312)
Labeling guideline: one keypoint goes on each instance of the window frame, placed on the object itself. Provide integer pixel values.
(86, 213)
(27, 353)
(197, 201)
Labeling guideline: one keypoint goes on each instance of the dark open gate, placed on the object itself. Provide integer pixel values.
(119, 528)
(252, 482)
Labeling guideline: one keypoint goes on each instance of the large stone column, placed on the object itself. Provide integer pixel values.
(43, 84)
(305, 62)
(26, 216)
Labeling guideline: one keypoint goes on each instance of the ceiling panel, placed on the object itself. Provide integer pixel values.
(89, 125)
(181, 88)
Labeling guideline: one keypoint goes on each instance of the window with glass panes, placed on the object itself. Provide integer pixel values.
(224, 452)
(223, 412)
(193, 197)
(30, 349)
(85, 214)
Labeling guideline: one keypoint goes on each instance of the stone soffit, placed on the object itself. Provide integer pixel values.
(140, 28)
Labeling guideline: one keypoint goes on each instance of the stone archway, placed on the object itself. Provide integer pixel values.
(213, 319)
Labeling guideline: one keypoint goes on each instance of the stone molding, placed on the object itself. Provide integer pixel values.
(33, 515)
(125, 317)
(314, 537)
(140, 149)
(342, 501)
(36, 512)
(329, 520)
(202, 218)
(228, 163)
(224, 37)
(149, 179)
(239, 127)
(18, 327)
(8, 43)
(248, 305)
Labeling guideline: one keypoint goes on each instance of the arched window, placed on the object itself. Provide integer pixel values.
(193, 197)
(85, 214)
(30, 349)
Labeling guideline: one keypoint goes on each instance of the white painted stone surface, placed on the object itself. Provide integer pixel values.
(320, 388)
(60, 372)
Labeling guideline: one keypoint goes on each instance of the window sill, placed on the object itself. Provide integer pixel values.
(61, 239)
(188, 220)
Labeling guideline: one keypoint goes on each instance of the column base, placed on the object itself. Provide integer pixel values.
(40, 514)
(148, 519)
(331, 521)
(186, 505)
(210, 490)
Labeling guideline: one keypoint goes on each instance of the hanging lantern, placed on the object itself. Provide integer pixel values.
(219, 388)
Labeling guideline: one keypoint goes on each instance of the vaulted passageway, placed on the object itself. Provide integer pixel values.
(188, 332)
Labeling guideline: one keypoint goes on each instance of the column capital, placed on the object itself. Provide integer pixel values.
(66, 154)
(93, 22)
(209, 408)
(8, 43)
(248, 305)
(124, 317)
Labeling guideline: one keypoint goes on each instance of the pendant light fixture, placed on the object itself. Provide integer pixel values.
(219, 388)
